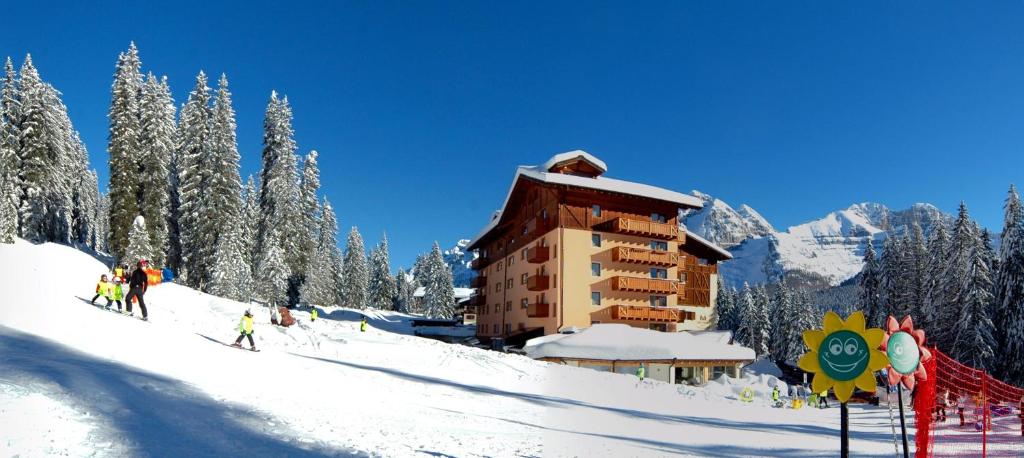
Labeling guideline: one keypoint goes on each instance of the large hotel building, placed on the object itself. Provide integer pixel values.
(571, 248)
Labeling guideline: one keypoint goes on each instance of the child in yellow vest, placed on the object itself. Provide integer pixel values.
(245, 331)
(102, 289)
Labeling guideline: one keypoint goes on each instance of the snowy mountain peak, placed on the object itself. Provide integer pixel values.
(719, 222)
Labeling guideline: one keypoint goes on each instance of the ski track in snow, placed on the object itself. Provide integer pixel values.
(75, 380)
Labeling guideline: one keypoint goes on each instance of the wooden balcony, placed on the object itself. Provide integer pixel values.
(538, 254)
(480, 281)
(644, 256)
(644, 228)
(695, 297)
(640, 313)
(538, 282)
(479, 300)
(645, 285)
(479, 263)
(538, 310)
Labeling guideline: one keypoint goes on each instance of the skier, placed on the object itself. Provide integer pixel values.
(119, 272)
(312, 315)
(116, 294)
(137, 285)
(362, 325)
(640, 371)
(102, 289)
(823, 399)
(775, 396)
(245, 331)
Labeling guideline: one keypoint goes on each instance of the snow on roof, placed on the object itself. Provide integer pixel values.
(540, 173)
(625, 343)
(570, 155)
(460, 293)
(705, 242)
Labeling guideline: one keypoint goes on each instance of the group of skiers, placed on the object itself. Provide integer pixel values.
(113, 291)
(245, 327)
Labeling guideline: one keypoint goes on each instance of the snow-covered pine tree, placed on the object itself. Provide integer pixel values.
(973, 341)
(355, 275)
(103, 224)
(403, 292)
(307, 194)
(221, 211)
(917, 275)
(86, 212)
(174, 211)
(762, 324)
(1008, 301)
(781, 311)
(382, 285)
(439, 291)
(321, 286)
(36, 170)
(138, 243)
(250, 222)
(803, 316)
(272, 273)
(938, 249)
(870, 283)
(746, 311)
(8, 213)
(893, 284)
(954, 279)
(156, 147)
(124, 149)
(726, 309)
(231, 275)
(194, 168)
(10, 133)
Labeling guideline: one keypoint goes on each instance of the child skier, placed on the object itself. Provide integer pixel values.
(313, 314)
(245, 331)
(116, 294)
(102, 289)
(362, 325)
(823, 400)
(775, 397)
(640, 372)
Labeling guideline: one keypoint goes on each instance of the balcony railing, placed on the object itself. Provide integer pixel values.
(538, 310)
(695, 297)
(537, 282)
(645, 285)
(640, 313)
(644, 256)
(478, 301)
(479, 263)
(480, 281)
(631, 226)
(538, 254)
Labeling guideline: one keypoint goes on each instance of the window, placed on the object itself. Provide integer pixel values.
(595, 239)
(522, 279)
(659, 301)
(658, 218)
(658, 327)
(495, 328)
(595, 298)
(508, 284)
(523, 253)
(543, 298)
(499, 266)
(497, 287)
(702, 261)
(555, 249)
(511, 260)
(659, 273)
(595, 269)
(508, 328)
(682, 277)
(659, 245)
(523, 303)
(597, 211)
(508, 306)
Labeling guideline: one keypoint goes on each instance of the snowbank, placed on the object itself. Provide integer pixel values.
(625, 343)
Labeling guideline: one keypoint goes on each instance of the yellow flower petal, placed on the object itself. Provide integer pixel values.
(813, 339)
(832, 322)
(809, 362)
(821, 382)
(866, 381)
(878, 361)
(855, 322)
(844, 390)
(874, 337)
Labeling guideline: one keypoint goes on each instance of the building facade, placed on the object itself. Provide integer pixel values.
(571, 248)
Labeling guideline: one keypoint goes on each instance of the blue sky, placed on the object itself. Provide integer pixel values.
(422, 110)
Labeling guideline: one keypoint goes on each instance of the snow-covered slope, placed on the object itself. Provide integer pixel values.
(823, 252)
(77, 380)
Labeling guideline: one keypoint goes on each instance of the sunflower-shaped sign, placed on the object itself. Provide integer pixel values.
(905, 348)
(843, 355)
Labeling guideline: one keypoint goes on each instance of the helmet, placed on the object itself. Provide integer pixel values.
(248, 312)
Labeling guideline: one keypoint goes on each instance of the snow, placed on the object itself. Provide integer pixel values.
(621, 342)
(78, 380)
(570, 155)
(708, 244)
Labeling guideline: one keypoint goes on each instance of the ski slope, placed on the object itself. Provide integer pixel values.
(77, 380)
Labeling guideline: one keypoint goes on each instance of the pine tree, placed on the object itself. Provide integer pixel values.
(382, 285)
(954, 278)
(156, 145)
(321, 286)
(917, 272)
(781, 311)
(124, 148)
(404, 290)
(250, 223)
(272, 273)
(194, 168)
(307, 193)
(225, 182)
(938, 248)
(870, 283)
(802, 316)
(893, 278)
(356, 274)
(974, 341)
(231, 275)
(8, 213)
(745, 311)
(138, 243)
(34, 155)
(439, 290)
(10, 144)
(1008, 308)
(102, 224)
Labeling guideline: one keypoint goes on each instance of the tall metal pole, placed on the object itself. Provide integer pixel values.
(844, 431)
(903, 422)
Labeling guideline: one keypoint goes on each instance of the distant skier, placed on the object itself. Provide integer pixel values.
(823, 400)
(775, 396)
(137, 285)
(119, 272)
(313, 315)
(116, 294)
(362, 325)
(245, 331)
(641, 372)
(102, 289)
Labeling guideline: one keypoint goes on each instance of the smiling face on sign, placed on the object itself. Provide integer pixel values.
(903, 353)
(843, 355)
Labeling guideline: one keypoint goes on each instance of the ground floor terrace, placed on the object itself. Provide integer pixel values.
(684, 372)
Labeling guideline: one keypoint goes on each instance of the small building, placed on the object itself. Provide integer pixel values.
(671, 357)
(462, 295)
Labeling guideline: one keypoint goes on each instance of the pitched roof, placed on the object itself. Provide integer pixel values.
(701, 240)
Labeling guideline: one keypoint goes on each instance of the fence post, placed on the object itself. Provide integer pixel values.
(984, 414)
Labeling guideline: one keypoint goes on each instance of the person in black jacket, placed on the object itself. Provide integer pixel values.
(137, 284)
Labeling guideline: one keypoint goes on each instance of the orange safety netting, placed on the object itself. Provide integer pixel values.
(963, 411)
